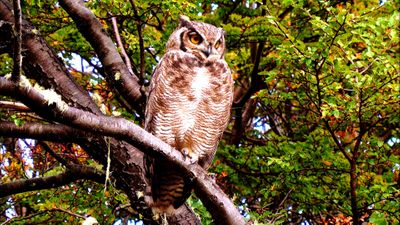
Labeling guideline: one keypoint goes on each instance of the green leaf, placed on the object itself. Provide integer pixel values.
(378, 218)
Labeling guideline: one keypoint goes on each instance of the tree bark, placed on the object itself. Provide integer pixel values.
(42, 64)
(74, 173)
(117, 74)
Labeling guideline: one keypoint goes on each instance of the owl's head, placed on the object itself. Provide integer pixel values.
(203, 40)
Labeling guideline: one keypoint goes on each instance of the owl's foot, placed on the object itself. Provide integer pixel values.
(213, 176)
(164, 220)
(190, 156)
(193, 159)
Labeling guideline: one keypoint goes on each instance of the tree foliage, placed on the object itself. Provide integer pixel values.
(314, 134)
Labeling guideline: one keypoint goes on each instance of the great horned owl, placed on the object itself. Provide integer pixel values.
(188, 107)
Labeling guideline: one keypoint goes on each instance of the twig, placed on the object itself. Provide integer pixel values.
(125, 56)
(18, 42)
(68, 212)
(284, 33)
(318, 68)
(284, 199)
(47, 148)
(24, 217)
(369, 66)
(73, 173)
(43, 212)
(141, 42)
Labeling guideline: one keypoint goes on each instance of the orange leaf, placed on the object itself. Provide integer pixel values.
(327, 163)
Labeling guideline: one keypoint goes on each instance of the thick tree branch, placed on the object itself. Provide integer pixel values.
(42, 64)
(218, 204)
(73, 173)
(117, 72)
(50, 132)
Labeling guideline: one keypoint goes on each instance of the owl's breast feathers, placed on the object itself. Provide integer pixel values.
(190, 98)
(188, 108)
(190, 73)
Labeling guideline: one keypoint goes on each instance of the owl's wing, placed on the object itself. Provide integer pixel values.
(207, 159)
(149, 124)
(149, 112)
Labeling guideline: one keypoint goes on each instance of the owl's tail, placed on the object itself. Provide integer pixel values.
(169, 187)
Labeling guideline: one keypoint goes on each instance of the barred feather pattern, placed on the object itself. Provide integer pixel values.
(188, 107)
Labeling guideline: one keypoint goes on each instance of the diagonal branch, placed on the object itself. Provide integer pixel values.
(117, 73)
(218, 204)
(120, 45)
(141, 42)
(60, 159)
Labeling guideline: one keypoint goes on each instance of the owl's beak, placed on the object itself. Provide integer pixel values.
(208, 51)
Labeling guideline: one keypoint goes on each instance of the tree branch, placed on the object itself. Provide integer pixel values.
(218, 204)
(68, 212)
(117, 72)
(18, 41)
(141, 42)
(255, 80)
(42, 64)
(73, 173)
(14, 106)
(15, 219)
(60, 159)
(120, 45)
(50, 132)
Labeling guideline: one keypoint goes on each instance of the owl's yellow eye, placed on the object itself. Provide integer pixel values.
(217, 44)
(195, 38)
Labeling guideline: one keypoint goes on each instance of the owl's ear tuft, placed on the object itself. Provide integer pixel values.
(184, 21)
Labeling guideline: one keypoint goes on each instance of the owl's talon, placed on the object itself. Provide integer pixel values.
(193, 159)
(213, 176)
(189, 156)
(164, 220)
(185, 152)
